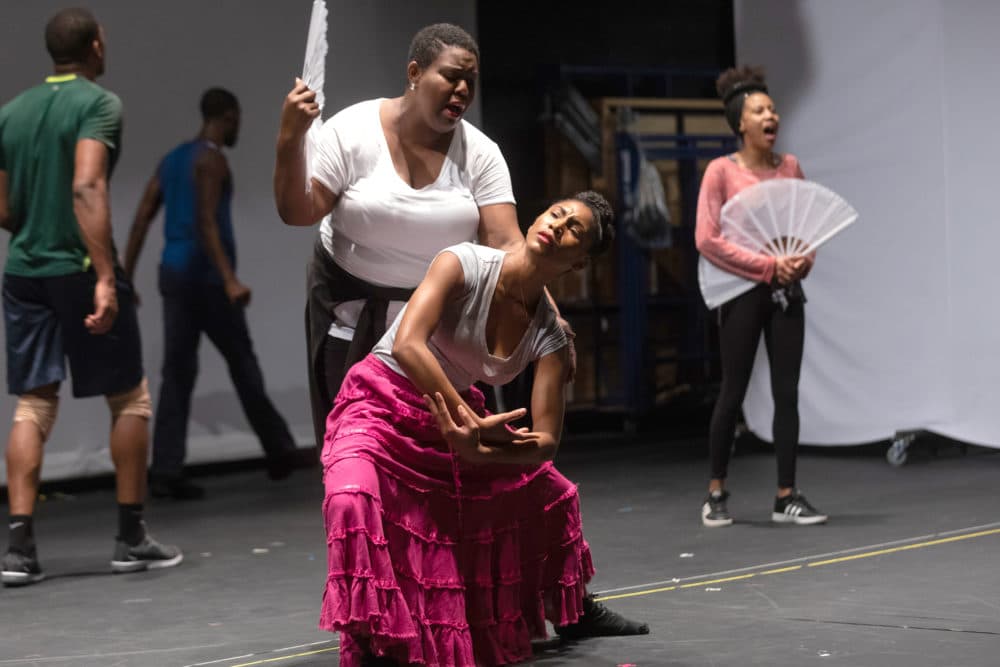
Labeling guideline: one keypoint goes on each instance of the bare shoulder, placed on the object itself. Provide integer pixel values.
(211, 160)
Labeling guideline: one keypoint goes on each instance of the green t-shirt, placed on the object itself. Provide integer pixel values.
(39, 130)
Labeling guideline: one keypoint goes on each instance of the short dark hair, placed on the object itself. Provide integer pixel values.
(69, 34)
(734, 85)
(604, 219)
(215, 102)
(430, 41)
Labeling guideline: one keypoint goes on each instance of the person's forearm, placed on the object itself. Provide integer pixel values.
(425, 372)
(520, 454)
(208, 232)
(290, 192)
(90, 204)
(136, 239)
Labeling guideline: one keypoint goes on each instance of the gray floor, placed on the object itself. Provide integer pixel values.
(905, 573)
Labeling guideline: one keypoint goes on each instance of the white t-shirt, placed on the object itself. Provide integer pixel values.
(459, 342)
(384, 231)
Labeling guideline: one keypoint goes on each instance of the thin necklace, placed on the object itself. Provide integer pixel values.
(522, 302)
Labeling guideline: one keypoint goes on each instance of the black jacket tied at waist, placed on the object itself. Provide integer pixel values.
(327, 286)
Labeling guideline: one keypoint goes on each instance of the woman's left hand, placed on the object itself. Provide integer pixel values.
(804, 266)
(571, 348)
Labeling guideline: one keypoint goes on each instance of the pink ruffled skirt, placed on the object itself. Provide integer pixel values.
(433, 561)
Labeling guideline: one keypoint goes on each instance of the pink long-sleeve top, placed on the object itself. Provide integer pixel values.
(722, 180)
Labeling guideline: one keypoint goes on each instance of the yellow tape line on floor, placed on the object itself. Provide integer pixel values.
(792, 568)
(287, 657)
(707, 582)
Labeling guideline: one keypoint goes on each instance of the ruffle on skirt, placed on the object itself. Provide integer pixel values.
(426, 575)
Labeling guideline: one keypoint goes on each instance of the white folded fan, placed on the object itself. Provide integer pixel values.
(779, 217)
(314, 73)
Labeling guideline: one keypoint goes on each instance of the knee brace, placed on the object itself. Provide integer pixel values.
(134, 402)
(41, 410)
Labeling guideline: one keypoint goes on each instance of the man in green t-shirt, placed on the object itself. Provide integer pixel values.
(64, 296)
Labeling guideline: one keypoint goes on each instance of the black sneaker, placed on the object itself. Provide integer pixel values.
(796, 509)
(147, 555)
(178, 488)
(21, 569)
(599, 621)
(714, 512)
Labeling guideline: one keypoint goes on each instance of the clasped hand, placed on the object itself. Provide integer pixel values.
(789, 269)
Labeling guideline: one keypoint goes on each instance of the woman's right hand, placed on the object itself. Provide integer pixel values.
(298, 111)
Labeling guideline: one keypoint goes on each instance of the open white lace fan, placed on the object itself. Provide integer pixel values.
(779, 217)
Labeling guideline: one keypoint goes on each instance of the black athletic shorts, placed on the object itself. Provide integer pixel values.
(43, 319)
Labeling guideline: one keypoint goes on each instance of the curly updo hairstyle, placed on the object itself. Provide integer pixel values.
(734, 85)
(604, 217)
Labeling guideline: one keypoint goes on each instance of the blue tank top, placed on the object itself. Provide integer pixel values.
(183, 257)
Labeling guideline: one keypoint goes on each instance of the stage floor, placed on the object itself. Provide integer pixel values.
(905, 573)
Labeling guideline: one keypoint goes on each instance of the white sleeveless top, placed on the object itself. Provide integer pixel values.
(459, 342)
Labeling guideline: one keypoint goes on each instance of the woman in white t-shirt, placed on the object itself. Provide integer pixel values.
(451, 537)
(402, 178)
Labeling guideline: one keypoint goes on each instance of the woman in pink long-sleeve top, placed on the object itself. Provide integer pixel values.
(774, 306)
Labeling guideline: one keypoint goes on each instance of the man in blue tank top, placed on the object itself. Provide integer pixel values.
(201, 293)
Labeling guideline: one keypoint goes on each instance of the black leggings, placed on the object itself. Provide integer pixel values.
(740, 324)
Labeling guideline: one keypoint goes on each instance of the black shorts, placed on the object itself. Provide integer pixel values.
(43, 319)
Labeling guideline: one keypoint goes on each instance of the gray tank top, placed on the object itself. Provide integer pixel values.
(459, 342)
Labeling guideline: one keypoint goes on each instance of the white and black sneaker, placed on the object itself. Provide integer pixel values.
(796, 509)
(21, 569)
(146, 555)
(714, 513)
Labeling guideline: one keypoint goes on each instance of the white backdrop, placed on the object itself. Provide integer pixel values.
(161, 56)
(891, 104)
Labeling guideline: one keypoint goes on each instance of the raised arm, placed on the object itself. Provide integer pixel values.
(93, 215)
(298, 204)
(148, 207)
(210, 173)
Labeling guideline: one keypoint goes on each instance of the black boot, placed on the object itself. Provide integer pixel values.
(599, 621)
